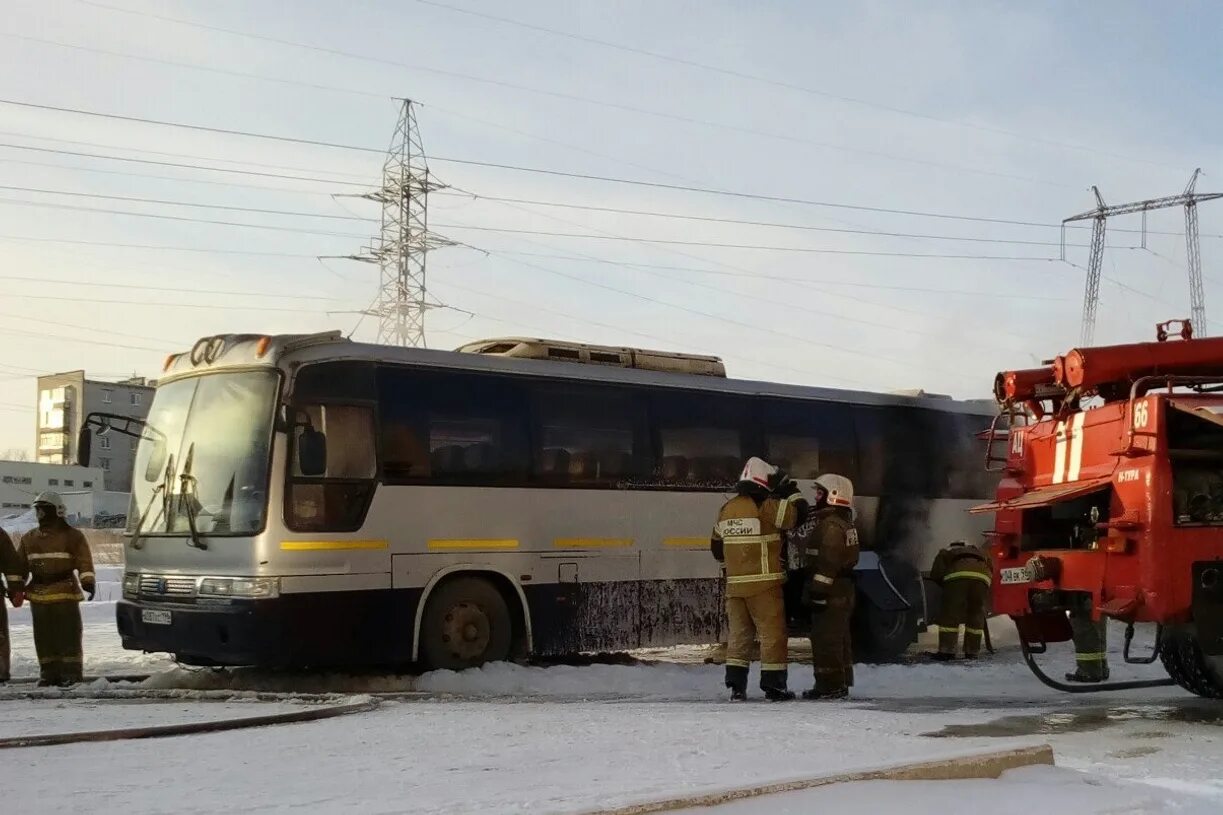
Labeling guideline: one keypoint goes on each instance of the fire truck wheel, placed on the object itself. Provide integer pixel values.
(466, 624)
(1189, 667)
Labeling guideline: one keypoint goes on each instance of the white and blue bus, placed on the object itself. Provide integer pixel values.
(311, 501)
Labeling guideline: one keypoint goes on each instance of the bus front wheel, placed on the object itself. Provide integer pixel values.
(466, 624)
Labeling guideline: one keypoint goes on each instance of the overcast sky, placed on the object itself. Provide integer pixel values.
(990, 110)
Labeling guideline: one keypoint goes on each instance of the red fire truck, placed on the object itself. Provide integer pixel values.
(1111, 502)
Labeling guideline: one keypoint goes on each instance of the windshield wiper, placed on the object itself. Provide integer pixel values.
(160, 489)
(187, 490)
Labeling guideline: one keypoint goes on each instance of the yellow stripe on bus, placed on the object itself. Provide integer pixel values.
(325, 546)
(592, 543)
(687, 543)
(447, 544)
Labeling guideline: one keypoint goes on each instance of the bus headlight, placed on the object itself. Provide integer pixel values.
(248, 587)
(131, 585)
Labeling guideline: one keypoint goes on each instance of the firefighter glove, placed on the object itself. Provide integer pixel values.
(17, 598)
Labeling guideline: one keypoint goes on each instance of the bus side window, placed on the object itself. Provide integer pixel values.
(337, 500)
(809, 438)
(587, 436)
(700, 439)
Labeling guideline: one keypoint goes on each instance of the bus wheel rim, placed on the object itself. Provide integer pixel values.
(466, 631)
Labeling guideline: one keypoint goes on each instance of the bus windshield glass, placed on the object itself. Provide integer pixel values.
(203, 459)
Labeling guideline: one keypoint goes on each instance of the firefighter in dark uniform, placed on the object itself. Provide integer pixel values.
(56, 558)
(830, 544)
(1090, 643)
(747, 540)
(10, 566)
(965, 574)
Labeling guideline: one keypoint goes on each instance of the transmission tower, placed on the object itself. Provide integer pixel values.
(404, 240)
(1189, 199)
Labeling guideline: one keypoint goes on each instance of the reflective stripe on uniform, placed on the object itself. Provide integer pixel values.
(13, 578)
(738, 663)
(50, 556)
(980, 632)
(754, 578)
(819, 578)
(51, 598)
(774, 666)
(86, 575)
(949, 629)
(974, 575)
(1093, 657)
(744, 539)
(782, 506)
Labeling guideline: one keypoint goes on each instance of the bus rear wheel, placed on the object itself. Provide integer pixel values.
(466, 624)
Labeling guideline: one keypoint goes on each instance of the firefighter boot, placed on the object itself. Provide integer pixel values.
(818, 694)
(773, 683)
(736, 680)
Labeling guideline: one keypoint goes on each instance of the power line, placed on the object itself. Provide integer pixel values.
(174, 289)
(779, 83)
(109, 211)
(179, 165)
(500, 83)
(174, 178)
(584, 236)
(711, 245)
(523, 169)
(649, 213)
(206, 306)
(143, 200)
(790, 279)
(156, 247)
(771, 224)
(718, 317)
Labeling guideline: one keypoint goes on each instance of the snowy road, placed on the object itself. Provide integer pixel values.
(513, 739)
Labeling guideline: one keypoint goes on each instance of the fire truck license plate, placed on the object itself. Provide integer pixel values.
(154, 616)
(1018, 574)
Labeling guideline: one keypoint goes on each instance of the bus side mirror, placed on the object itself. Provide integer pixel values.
(84, 445)
(312, 452)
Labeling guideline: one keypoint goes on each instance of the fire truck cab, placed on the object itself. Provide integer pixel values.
(1111, 502)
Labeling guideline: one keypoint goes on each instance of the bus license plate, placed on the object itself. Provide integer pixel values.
(1019, 574)
(154, 616)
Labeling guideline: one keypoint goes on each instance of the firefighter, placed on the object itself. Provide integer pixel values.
(9, 567)
(1090, 642)
(49, 556)
(747, 540)
(830, 544)
(965, 574)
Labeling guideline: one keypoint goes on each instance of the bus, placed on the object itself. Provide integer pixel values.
(310, 501)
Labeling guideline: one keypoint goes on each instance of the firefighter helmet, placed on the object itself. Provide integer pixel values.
(838, 488)
(759, 472)
(52, 499)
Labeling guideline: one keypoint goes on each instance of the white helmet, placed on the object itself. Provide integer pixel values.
(840, 490)
(52, 499)
(758, 471)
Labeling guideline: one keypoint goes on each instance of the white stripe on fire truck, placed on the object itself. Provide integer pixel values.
(1059, 454)
(1076, 447)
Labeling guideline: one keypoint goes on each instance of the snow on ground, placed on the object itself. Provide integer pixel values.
(69, 715)
(1019, 792)
(517, 739)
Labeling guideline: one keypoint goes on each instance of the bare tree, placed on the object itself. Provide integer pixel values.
(15, 454)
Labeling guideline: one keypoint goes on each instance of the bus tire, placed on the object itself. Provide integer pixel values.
(882, 635)
(466, 624)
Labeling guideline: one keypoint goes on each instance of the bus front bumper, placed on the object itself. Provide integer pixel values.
(332, 629)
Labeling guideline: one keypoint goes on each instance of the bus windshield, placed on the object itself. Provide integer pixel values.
(203, 458)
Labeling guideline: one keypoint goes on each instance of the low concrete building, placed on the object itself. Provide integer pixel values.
(82, 488)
